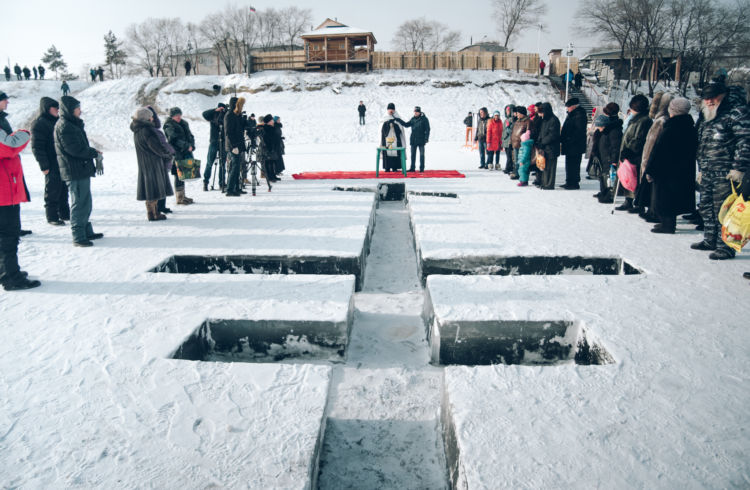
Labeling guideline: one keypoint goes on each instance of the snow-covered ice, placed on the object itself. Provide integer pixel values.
(89, 396)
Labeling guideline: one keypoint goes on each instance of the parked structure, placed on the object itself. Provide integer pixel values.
(336, 46)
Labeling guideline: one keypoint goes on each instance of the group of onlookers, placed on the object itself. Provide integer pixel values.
(25, 73)
(658, 141)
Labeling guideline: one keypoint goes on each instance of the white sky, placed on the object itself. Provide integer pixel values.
(77, 27)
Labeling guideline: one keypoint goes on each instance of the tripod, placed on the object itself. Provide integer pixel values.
(220, 161)
(251, 159)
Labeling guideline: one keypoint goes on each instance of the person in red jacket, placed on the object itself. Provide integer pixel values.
(13, 192)
(494, 139)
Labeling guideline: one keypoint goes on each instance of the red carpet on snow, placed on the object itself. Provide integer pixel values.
(427, 174)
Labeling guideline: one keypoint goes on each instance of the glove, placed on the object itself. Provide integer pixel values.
(99, 164)
(735, 175)
(235, 151)
(699, 178)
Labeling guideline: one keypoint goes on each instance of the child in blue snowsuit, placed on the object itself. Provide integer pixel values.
(524, 159)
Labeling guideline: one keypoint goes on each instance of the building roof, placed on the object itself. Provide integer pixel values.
(489, 46)
(615, 54)
(334, 28)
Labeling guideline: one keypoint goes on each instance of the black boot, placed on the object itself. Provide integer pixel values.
(627, 205)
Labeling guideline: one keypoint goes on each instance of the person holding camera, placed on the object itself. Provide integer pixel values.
(269, 149)
(234, 127)
(216, 118)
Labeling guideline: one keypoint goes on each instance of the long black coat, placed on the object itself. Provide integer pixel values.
(270, 148)
(671, 165)
(234, 129)
(573, 135)
(75, 157)
(549, 133)
(420, 130)
(150, 154)
(606, 145)
(43, 137)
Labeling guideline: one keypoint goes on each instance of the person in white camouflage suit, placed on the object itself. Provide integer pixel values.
(723, 156)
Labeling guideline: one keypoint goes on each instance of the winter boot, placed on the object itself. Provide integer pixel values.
(185, 198)
(150, 210)
(155, 214)
(627, 205)
(180, 196)
(205, 186)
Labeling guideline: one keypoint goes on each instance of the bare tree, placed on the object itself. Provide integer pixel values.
(270, 24)
(512, 16)
(216, 33)
(420, 35)
(294, 23)
(147, 44)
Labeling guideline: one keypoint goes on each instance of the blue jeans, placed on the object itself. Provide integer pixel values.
(482, 151)
(414, 157)
(235, 164)
(80, 209)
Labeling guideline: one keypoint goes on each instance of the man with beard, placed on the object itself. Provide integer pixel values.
(392, 135)
(723, 156)
(43, 147)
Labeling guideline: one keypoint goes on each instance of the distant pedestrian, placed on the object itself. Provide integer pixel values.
(7, 74)
(76, 160)
(65, 88)
(36, 74)
(188, 67)
(578, 78)
(481, 136)
(361, 109)
(92, 73)
(542, 64)
(26, 73)
(100, 72)
(41, 72)
(17, 71)
(469, 123)
(420, 136)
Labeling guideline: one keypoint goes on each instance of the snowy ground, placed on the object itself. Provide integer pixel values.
(89, 396)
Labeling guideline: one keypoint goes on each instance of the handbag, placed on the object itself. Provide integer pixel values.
(188, 169)
(541, 162)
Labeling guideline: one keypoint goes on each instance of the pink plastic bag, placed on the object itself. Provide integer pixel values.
(626, 173)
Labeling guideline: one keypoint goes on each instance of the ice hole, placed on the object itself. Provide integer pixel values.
(391, 191)
(265, 341)
(536, 343)
(528, 265)
(262, 264)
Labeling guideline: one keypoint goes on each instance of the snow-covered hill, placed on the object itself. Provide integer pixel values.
(314, 107)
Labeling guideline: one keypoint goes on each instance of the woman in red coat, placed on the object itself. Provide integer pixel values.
(494, 140)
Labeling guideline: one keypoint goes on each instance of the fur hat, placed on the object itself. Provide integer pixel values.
(639, 104)
(175, 111)
(713, 89)
(601, 121)
(520, 109)
(267, 118)
(142, 114)
(679, 106)
(391, 106)
(572, 101)
(611, 109)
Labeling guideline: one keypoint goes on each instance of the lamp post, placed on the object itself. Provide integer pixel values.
(189, 51)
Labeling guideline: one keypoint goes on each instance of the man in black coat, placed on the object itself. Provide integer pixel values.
(177, 131)
(234, 142)
(26, 73)
(420, 136)
(43, 147)
(188, 67)
(549, 144)
(216, 118)
(573, 139)
(75, 158)
(17, 71)
(7, 74)
(41, 72)
(361, 109)
(269, 149)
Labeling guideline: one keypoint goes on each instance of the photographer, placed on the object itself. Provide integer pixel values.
(269, 150)
(216, 118)
(235, 144)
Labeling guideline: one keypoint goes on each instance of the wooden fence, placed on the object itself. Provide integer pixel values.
(467, 60)
(278, 60)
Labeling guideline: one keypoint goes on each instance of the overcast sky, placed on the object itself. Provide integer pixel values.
(76, 27)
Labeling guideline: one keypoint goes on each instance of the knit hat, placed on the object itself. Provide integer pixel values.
(417, 109)
(611, 109)
(175, 111)
(267, 118)
(391, 106)
(142, 114)
(572, 101)
(601, 121)
(532, 110)
(713, 89)
(526, 136)
(520, 109)
(252, 115)
(3, 96)
(496, 113)
(679, 106)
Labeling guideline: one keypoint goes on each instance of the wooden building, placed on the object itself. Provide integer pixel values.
(335, 46)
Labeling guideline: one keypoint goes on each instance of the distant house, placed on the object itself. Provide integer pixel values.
(485, 47)
(206, 61)
(336, 46)
(610, 64)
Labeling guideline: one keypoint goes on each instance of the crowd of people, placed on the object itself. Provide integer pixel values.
(25, 73)
(672, 155)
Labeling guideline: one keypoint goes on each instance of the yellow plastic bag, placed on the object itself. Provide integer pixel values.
(735, 229)
(727, 204)
(541, 162)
